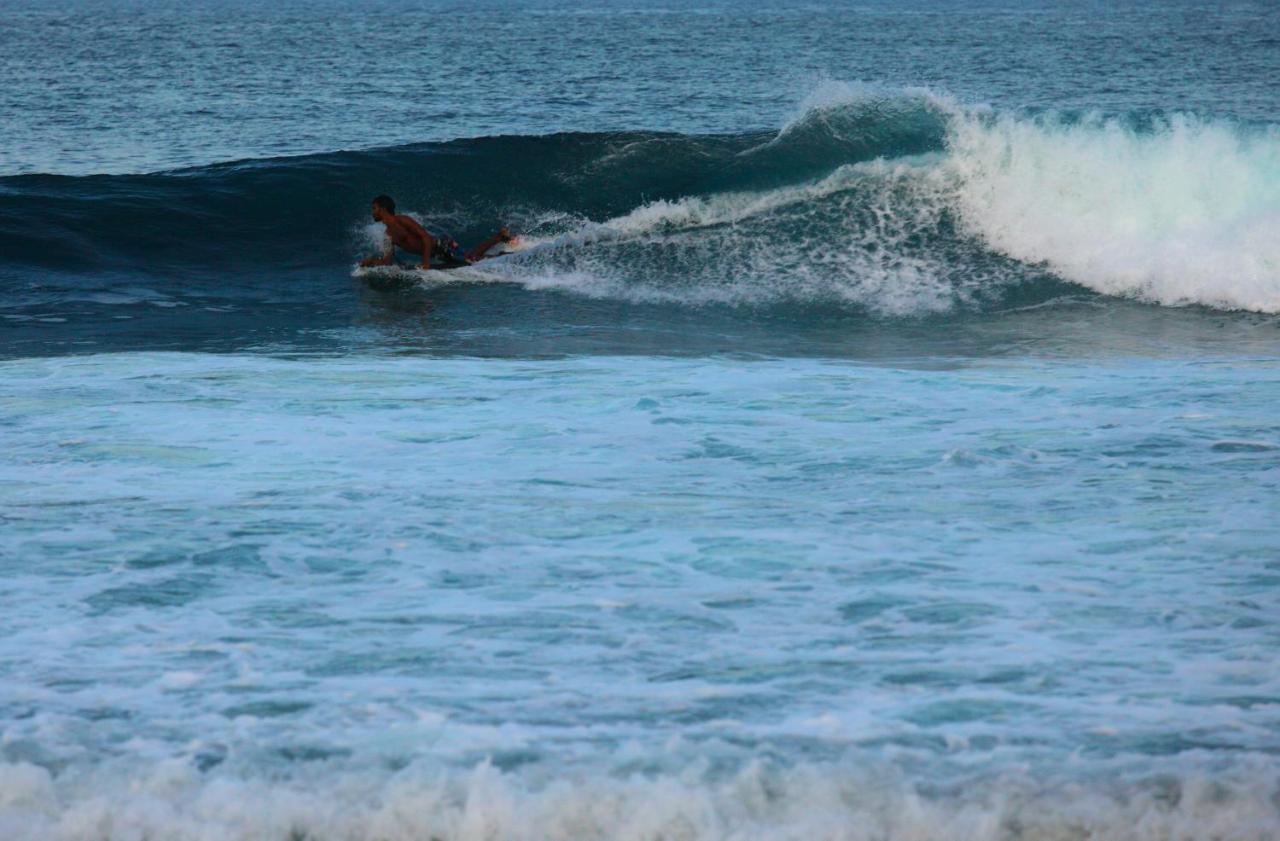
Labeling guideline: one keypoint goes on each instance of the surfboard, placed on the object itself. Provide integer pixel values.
(412, 273)
(401, 274)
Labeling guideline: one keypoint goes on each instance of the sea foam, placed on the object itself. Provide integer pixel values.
(173, 801)
(1183, 210)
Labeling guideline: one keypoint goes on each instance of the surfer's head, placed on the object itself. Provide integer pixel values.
(383, 205)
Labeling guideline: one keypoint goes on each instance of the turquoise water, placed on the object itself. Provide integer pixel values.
(660, 579)
(875, 438)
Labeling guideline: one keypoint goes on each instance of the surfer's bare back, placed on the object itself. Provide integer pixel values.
(405, 232)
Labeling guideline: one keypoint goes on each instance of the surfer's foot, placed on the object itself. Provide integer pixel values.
(505, 236)
(481, 251)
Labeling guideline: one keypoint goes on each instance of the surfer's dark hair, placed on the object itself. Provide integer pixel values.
(386, 203)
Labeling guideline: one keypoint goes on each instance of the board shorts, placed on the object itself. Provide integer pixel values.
(448, 250)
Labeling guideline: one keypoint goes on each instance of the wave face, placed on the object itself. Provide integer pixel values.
(897, 203)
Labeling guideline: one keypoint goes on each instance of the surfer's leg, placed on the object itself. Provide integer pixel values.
(479, 252)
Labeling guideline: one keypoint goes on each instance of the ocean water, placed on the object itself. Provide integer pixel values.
(875, 436)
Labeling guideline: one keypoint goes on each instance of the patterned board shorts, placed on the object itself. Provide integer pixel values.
(448, 250)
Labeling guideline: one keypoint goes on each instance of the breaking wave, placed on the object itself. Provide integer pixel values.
(893, 202)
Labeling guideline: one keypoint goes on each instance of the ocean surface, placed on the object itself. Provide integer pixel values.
(876, 435)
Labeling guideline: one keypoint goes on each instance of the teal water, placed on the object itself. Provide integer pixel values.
(641, 577)
(874, 439)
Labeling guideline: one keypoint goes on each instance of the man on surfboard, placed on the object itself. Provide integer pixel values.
(405, 232)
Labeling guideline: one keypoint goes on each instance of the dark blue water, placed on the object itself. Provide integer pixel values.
(872, 436)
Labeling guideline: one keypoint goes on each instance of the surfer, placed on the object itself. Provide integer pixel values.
(412, 237)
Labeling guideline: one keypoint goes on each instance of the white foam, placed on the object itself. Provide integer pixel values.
(175, 802)
(842, 238)
(1185, 213)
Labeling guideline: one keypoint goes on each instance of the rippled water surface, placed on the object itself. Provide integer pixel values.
(874, 435)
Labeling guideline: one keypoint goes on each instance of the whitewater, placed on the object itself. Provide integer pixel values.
(872, 437)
